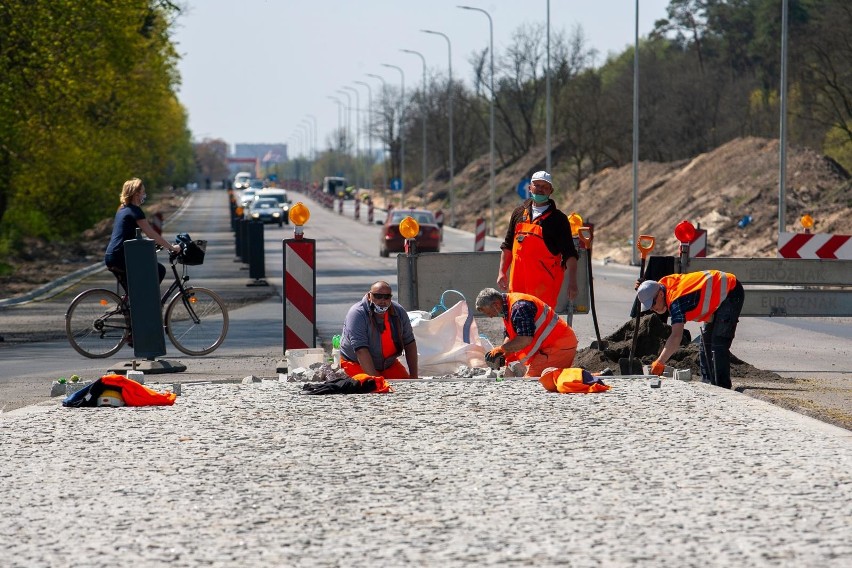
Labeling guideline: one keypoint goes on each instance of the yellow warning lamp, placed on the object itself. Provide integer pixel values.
(409, 227)
(299, 215)
(807, 222)
(576, 222)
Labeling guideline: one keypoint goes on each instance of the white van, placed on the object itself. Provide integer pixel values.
(241, 180)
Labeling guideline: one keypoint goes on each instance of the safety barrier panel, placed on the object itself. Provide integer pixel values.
(787, 287)
(300, 284)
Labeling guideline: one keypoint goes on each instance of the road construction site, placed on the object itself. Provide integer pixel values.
(461, 473)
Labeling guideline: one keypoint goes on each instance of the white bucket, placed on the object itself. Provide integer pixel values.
(304, 357)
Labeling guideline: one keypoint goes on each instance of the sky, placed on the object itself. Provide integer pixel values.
(252, 71)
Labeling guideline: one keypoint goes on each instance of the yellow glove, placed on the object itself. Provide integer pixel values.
(657, 367)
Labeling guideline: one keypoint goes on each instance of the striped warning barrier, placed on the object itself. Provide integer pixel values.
(300, 283)
(370, 212)
(479, 241)
(815, 245)
(357, 209)
(698, 245)
(157, 222)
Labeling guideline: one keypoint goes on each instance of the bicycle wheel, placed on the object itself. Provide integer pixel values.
(97, 323)
(196, 321)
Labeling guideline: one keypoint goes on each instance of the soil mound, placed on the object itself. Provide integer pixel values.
(653, 333)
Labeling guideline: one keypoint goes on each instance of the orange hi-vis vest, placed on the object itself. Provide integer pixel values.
(535, 270)
(713, 285)
(549, 329)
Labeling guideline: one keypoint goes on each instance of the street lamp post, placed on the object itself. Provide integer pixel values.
(401, 135)
(357, 118)
(549, 112)
(369, 129)
(423, 112)
(635, 256)
(450, 110)
(384, 160)
(348, 113)
(491, 141)
(339, 119)
(314, 125)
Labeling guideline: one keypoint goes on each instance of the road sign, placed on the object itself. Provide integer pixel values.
(396, 184)
(524, 188)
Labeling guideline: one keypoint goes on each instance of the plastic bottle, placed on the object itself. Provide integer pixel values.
(335, 350)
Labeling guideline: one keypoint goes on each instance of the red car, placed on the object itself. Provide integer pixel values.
(428, 239)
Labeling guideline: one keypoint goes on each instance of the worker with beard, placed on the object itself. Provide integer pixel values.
(375, 333)
(538, 249)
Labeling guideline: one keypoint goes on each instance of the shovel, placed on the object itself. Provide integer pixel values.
(585, 235)
(633, 366)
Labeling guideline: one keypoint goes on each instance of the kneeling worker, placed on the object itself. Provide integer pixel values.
(375, 333)
(535, 335)
(710, 296)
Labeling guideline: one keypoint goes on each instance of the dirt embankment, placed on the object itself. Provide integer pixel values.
(715, 190)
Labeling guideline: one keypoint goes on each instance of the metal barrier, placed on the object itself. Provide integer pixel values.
(786, 287)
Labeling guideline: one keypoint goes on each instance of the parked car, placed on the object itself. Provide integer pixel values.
(267, 210)
(280, 196)
(428, 239)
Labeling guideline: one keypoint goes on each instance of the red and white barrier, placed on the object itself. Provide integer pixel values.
(357, 209)
(479, 241)
(370, 212)
(300, 284)
(815, 245)
(698, 245)
(439, 218)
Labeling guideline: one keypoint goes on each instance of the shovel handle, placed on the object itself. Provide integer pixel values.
(645, 244)
(585, 235)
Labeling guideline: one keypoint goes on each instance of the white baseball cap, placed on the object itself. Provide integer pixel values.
(542, 176)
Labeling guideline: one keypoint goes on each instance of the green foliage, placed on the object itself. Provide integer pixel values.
(88, 101)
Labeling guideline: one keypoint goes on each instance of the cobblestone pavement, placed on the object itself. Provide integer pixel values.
(446, 474)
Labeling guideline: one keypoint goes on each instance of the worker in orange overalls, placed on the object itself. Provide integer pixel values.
(535, 335)
(538, 249)
(713, 297)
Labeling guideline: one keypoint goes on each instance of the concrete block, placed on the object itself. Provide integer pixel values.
(137, 376)
(251, 379)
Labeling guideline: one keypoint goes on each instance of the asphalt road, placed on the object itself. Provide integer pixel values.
(813, 350)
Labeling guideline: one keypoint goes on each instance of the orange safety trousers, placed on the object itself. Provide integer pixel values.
(535, 270)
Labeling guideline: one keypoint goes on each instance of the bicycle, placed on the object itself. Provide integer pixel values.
(97, 321)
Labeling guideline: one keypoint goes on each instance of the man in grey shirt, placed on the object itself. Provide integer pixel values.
(375, 333)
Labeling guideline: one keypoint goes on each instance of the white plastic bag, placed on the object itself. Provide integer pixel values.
(447, 341)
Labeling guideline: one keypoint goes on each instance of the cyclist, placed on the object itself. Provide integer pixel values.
(128, 218)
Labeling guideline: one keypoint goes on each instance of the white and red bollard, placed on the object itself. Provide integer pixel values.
(479, 241)
(370, 212)
(340, 205)
(357, 209)
(300, 284)
(157, 222)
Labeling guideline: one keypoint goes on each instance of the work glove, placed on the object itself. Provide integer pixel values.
(496, 358)
(657, 367)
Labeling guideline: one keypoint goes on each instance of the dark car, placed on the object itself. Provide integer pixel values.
(428, 239)
(267, 210)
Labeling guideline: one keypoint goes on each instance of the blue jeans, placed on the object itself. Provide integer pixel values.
(716, 339)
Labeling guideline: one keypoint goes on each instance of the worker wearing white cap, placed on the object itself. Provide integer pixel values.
(538, 249)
